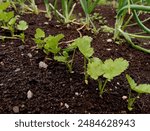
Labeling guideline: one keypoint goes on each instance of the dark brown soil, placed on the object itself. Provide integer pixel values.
(54, 89)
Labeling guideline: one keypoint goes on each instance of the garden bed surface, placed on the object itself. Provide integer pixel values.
(54, 89)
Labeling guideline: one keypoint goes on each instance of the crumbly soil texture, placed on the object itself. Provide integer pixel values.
(26, 88)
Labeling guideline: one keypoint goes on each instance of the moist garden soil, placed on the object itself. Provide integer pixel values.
(54, 89)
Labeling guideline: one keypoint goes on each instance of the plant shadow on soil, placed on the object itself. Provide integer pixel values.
(57, 91)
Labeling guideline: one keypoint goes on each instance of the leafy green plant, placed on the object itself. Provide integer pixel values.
(140, 89)
(84, 46)
(67, 10)
(48, 44)
(8, 21)
(65, 58)
(39, 38)
(125, 8)
(52, 44)
(108, 69)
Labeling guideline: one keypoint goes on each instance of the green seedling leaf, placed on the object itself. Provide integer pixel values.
(39, 33)
(52, 44)
(4, 5)
(114, 68)
(131, 82)
(12, 21)
(84, 45)
(22, 25)
(63, 58)
(71, 47)
(95, 68)
(141, 88)
(6, 16)
(131, 103)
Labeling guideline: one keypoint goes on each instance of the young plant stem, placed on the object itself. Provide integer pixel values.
(102, 87)
(85, 71)
(71, 64)
(131, 100)
(48, 10)
(7, 37)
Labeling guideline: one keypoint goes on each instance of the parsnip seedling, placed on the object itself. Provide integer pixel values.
(39, 38)
(52, 44)
(84, 46)
(109, 69)
(8, 22)
(140, 89)
(64, 58)
(49, 44)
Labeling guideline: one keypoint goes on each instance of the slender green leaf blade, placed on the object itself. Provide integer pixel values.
(131, 82)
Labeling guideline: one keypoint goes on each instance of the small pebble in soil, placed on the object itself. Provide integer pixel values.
(2, 63)
(109, 40)
(63, 85)
(29, 55)
(118, 83)
(22, 106)
(108, 49)
(123, 112)
(16, 109)
(12, 43)
(43, 65)
(76, 93)
(45, 23)
(1, 84)
(66, 105)
(21, 47)
(17, 70)
(116, 87)
(61, 104)
(124, 97)
(29, 94)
